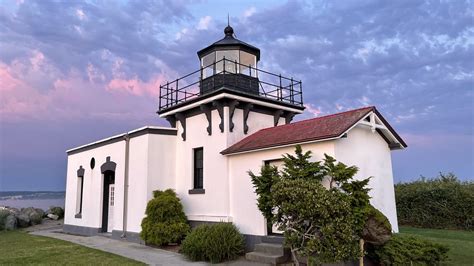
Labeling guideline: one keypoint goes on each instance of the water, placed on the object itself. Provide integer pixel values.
(36, 199)
(37, 203)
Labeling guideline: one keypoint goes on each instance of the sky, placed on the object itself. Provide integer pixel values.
(73, 72)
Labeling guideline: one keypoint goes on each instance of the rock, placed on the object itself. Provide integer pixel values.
(52, 216)
(23, 220)
(35, 215)
(10, 222)
(41, 212)
(377, 230)
(56, 211)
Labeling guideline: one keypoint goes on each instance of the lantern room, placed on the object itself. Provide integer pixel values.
(229, 55)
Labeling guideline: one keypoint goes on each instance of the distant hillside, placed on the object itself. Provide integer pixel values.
(8, 195)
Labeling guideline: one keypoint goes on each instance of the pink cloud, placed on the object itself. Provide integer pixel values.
(136, 86)
(32, 88)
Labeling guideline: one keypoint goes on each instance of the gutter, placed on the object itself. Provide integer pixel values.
(126, 137)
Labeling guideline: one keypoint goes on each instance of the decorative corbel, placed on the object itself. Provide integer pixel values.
(247, 108)
(232, 105)
(207, 111)
(171, 120)
(288, 117)
(182, 120)
(220, 109)
(276, 117)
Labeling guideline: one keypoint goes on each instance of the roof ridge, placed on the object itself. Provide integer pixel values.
(320, 117)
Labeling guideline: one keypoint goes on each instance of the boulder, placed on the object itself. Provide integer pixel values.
(41, 212)
(23, 220)
(377, 230)
(56, 211)
(35, 216)
(10, 222)
(52, 216)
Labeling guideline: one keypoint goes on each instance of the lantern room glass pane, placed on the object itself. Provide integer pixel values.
(246, 61)
(207, 63)
(231, 56)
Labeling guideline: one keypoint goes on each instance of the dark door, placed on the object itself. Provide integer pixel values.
(109, 178)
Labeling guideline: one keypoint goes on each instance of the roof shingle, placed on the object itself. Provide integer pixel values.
(318, 128)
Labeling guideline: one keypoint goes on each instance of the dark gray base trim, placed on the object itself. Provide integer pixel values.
(129, 236)
(197, 191)
(81, 230)
(198, 223)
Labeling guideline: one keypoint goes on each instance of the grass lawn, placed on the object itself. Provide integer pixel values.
(460, 243)
(18, 247)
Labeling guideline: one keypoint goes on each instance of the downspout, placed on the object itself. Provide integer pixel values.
(125, 185)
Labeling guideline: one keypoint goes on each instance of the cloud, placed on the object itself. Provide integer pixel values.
(81, 64)
(204, 23)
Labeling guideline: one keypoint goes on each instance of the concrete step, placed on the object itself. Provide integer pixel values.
(274, 239)
(273, 249)
(265, 258)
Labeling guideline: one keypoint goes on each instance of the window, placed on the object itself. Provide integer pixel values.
(80, 191)
(231, 56)
(248, 60)
(112, 196)
(198, 168)
(208, 65)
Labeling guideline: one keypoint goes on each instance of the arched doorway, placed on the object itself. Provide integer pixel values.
(108, 194)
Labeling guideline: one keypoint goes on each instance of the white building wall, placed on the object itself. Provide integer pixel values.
(137, 184)
(151, 167)
(213, 204)
(243, 200)
(157, 158)
(370, 152)
(93, 184)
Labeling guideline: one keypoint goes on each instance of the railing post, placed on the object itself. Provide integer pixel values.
(279, 91)
(159, 100)
(200, 78)
(168, 94)
(291, 91)
(250, 70)
(176, 88)
(301, 94)
(223, 67)
(214, 68)
(235, 62)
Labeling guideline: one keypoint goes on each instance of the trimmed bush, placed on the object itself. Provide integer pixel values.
(214, 243)
(408, 250)
(165, 222)
(443, 202)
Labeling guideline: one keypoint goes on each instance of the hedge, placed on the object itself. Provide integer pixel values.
(442, 202)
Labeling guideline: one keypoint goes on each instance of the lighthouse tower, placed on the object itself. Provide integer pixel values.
(219, 104)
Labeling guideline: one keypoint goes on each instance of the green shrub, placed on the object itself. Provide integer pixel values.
(214, 243)
(408, 250)
(443, 202)
(165, 221)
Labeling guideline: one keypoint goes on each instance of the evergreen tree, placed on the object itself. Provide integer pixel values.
(263, 184)
(298, 166)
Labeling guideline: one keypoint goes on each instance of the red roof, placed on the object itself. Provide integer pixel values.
(319, 128)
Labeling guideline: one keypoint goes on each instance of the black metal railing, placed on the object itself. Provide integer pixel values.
(231, 74)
